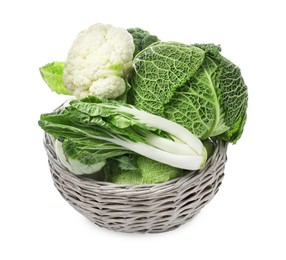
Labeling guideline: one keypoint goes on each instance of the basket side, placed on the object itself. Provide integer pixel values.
(148, 208)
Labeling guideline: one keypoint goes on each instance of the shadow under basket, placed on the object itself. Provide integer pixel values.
(148, 208)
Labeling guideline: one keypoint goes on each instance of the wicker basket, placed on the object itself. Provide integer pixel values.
(151, 208)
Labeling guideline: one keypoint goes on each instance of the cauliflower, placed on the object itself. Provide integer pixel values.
(97, 62)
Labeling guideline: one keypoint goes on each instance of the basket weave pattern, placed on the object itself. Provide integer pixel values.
(148, 208)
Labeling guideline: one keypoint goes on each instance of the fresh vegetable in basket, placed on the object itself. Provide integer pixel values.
(142, 103)
(93, 130)
(192, 85)
(98, 62)
(136, 169)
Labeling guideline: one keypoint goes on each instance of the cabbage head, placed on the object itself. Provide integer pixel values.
(141, 39)
(136, 169)
(193, 85)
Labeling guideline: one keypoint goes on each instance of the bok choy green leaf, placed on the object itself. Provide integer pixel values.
(93, 130)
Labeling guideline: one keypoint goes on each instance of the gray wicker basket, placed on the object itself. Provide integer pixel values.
(151, 208)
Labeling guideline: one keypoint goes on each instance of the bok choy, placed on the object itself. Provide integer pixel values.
(92, 130)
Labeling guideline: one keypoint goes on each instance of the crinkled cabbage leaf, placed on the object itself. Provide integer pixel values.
(193, 85)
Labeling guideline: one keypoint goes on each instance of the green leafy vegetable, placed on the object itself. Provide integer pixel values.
(170, 100)
(126, 162)
(192, 85)
(52, 73)
(146, 171)
(75, 165)
(141, 38)
(95, 130)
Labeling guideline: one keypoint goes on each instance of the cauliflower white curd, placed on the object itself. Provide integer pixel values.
(97, 60)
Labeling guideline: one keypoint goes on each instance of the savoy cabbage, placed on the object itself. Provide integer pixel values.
(193, 85)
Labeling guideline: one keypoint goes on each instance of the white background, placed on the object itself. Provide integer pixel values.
(246, 220)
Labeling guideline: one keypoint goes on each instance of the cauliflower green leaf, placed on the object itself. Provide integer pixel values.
(52, 74)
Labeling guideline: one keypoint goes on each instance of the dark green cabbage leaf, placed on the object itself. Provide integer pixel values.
(193, 85)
